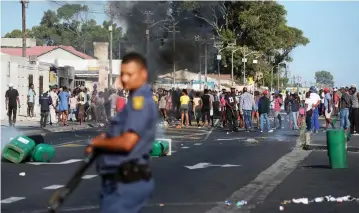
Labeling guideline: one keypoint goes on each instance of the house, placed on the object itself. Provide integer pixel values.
(51, 55)
(69, 67)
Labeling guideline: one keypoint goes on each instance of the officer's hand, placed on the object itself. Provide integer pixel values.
(98, 139)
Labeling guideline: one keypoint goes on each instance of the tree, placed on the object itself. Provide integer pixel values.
(69, 26)
(324, 78)
(260, 26)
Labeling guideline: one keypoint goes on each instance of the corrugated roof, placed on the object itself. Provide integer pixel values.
(41, 50)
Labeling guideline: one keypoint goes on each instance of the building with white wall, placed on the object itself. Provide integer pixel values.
(18, 71)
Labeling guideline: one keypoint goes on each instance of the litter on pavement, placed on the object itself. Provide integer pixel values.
(329, 198)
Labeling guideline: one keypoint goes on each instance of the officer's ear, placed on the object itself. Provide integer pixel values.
(144, 73)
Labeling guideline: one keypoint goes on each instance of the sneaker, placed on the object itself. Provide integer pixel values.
(271, 130)
(261, 131)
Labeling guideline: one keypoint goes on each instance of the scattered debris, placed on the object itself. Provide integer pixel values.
(328, 198)
(251, 140)
(22, 174)
(161, 204)
(241, 203)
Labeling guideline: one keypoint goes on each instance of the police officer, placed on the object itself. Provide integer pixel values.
(124, 160)
(231, 112)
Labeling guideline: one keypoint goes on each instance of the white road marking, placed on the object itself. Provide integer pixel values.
(11, 200)
(197, 144)
(184, 147)
(230, 139)
(206, 165)
(56, 163)
(88, 176)
(53, 187)
(264, 183)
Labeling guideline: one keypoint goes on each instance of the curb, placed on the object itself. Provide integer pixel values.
(324, 147)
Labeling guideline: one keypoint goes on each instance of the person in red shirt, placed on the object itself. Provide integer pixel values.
(336, 101)
(121, 102)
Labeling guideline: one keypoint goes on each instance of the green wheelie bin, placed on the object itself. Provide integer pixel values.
(43, 153)
(19, 149)
(159, 148)
(337, 153)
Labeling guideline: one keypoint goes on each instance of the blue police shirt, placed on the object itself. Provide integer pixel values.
(137, 118)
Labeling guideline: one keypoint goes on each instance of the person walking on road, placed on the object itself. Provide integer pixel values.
(64, 105)
(316, 101)
(308, 111)
(206, 107)
(45, 103)
(11, 101)
(53, 109)
(344, 109)
(278, 102)
(354, 126)
(328, 108)
(231, 111)
(31, 101)
(184, 107)
(125, 146)
(247, 104)
(263, 110)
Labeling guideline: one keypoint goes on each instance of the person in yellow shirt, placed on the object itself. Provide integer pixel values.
(155, 98)
(184, 100)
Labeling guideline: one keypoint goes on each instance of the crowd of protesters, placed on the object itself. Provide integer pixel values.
(63, 105)
(235, 109)
(242, 109)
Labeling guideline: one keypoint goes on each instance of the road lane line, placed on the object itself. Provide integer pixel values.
(259, 188)
(88, 176)
(184, 147)
(197, 144)
(56, 163)
(53, 187)
(11, 200)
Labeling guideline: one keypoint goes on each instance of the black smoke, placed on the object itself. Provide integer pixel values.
(132, 16)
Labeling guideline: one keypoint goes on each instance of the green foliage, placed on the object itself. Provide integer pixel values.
(324, 78)
(68, 26)
(260, 26)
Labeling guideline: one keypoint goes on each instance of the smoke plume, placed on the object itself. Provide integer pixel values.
(136, 16)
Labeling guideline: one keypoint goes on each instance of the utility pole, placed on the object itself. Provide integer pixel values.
(205, 64)
(110, 64)
(148, 21)
(23, 8)
(173, 31)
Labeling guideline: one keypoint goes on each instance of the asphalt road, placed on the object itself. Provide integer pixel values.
(261, 168)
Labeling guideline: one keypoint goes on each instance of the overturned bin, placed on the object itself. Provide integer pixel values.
(43, 153)
(161, 147)
(19, 149)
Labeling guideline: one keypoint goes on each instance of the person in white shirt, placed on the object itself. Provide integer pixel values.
(308, 111)
(53, 109)
(316, 100)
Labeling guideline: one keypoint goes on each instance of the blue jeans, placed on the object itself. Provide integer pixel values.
(72, 112)
(247, 118)
(264, 116)
(344, 118)
(315, 119)
(295, 119)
